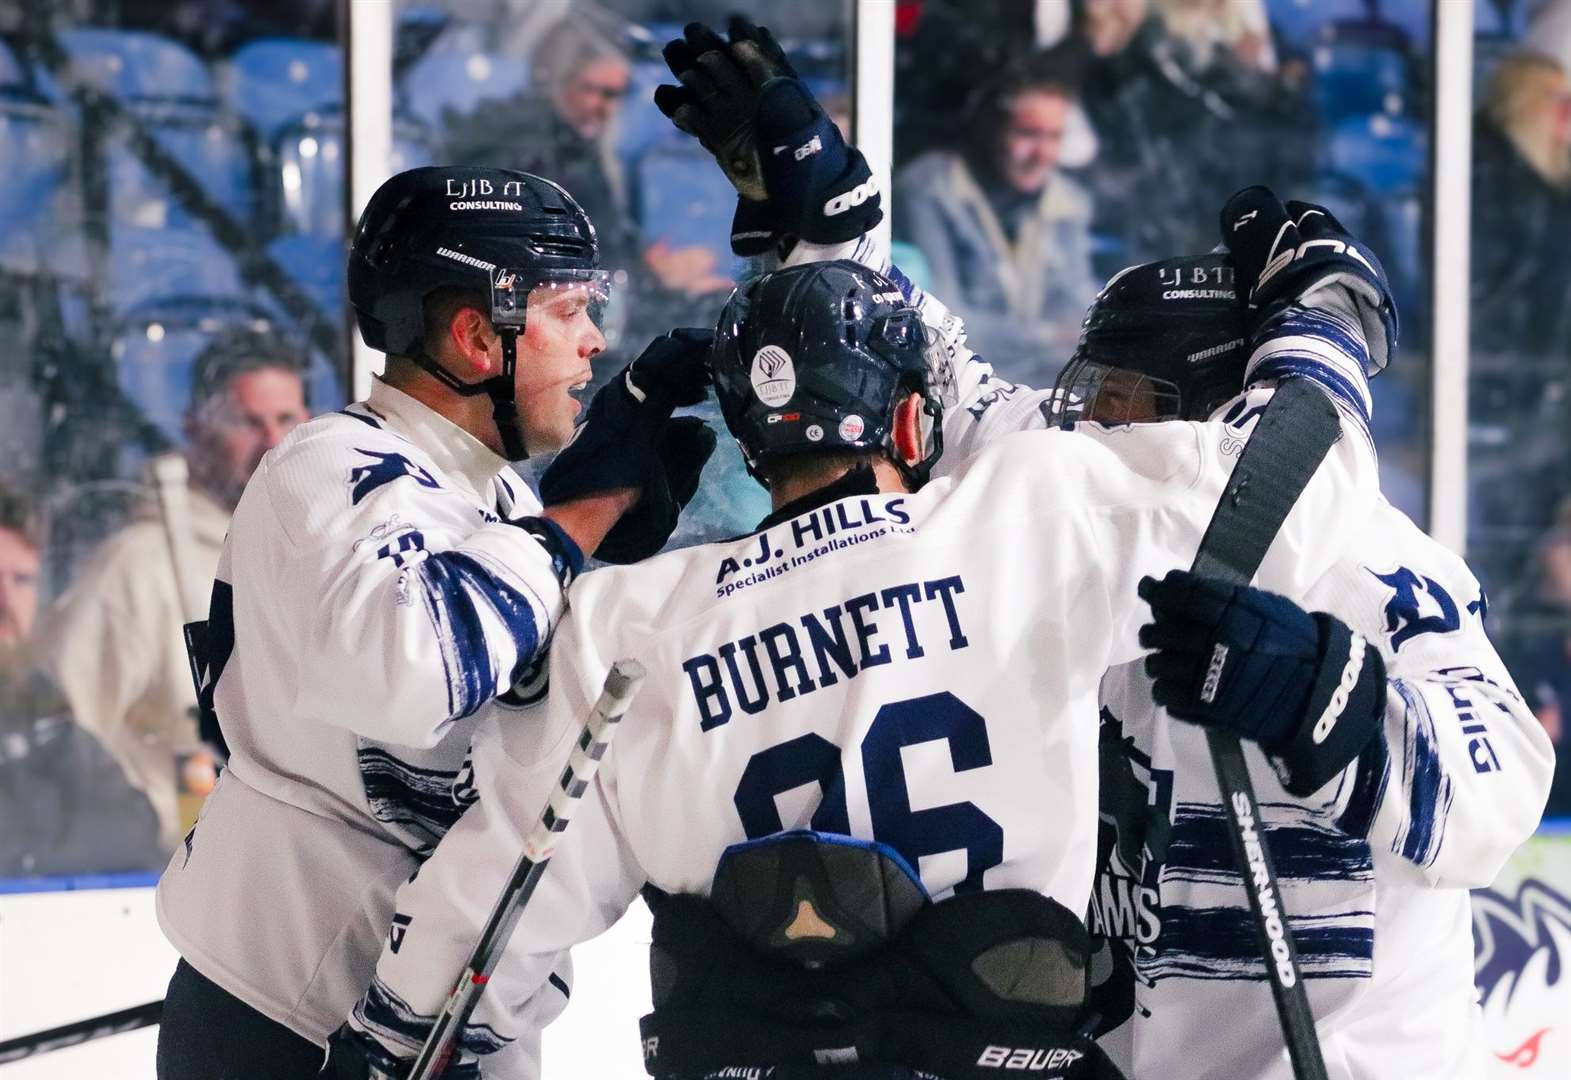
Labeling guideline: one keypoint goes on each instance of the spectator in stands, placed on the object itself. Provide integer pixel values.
(560, 128)
(113, 643)
(1005, 232)
(1546, 667)
(1187, 104)
(1522, 209)
(65, 806)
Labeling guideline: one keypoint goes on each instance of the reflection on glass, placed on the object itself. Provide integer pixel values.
(1108, 133)
(1519, 424)
(171, 289)
(565, 91)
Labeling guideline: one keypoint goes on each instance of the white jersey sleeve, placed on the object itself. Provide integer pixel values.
(411, 610)
(591, 880)
(1323, 343)
(1460, 776)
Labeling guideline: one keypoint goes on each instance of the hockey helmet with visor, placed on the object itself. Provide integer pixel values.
(498, 233)
(1163, 340)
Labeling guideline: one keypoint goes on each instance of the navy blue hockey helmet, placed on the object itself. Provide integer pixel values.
(497, 232)
(1163, 340)
(817, 357)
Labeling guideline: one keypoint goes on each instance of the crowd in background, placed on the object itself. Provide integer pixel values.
(1039, 148)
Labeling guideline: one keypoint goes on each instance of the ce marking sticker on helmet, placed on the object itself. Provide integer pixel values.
(774, 376)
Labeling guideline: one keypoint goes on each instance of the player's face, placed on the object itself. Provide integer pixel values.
(592, 96)
(252, 415)
(19, 565)
(560, 339)
(1032, 136)
(1124, 397)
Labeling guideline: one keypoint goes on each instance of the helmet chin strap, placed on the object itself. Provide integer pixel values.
(504, 403)
(499, 388)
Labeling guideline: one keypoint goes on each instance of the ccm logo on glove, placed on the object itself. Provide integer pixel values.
(855, 197)
(1338, 702)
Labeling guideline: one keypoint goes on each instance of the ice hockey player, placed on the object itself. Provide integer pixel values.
(386, 583)
(1395, 763)
(1448, 734)
(902, 668)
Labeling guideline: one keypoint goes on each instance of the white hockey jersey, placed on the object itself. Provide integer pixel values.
(920, 669)
(1374, 868)
(370, 607)
(1377, 866)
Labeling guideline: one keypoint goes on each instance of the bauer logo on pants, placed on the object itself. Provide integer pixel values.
(774, 376)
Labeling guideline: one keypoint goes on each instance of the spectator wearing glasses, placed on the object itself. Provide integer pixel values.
(113, 642)
(561, 127)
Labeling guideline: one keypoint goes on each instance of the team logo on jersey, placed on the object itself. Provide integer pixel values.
(383, 470)
(851, 428)
(774, 376)
(1521, 946)
(1418, 605)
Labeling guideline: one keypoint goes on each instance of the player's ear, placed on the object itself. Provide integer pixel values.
(908, 429)
(472, 339)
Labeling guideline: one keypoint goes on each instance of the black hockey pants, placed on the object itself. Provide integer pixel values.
(209, 1034)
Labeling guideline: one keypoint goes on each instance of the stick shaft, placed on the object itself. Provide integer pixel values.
(1288, 444)
(441, 1045)
(80, 1031)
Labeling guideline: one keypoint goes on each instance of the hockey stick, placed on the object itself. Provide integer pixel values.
(80, 1031)
(1290, 440)
(440, 1046)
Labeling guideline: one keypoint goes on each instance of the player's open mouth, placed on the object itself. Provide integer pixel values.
(576, 389)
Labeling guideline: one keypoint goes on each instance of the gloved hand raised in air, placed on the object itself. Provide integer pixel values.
(793, 172)
(1303, 685)
(628, 439)
(1285, 254)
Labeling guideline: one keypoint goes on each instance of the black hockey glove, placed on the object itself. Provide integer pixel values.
(1302, 685)
(681, 451)
(1283, 254)
(789, 163)
(354, 1055)
(721, 83)
(620, 441)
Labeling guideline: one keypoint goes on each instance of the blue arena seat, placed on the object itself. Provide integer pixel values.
(36, 227)
(148, 265)
(211, 149)
(133, 65)
(317, 263)
(1383, 153)
(307, 159)
(1360, 78)
(1299, 23)
(14, 76)
(459, 72)
(684, 200)
(274, 81)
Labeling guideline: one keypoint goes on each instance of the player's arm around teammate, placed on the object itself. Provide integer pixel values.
(386, 580)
